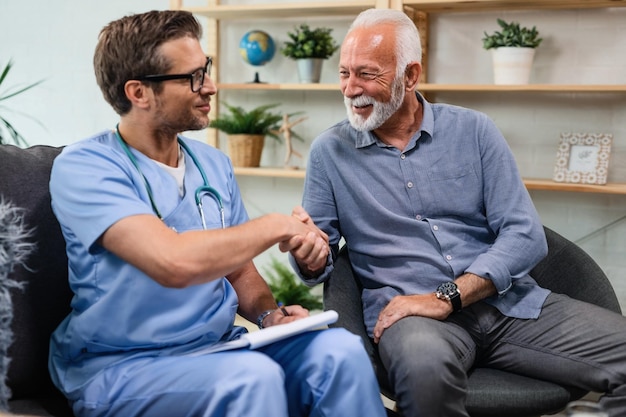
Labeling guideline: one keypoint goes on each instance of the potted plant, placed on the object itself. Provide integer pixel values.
(8, 133)
(287, 288)
(246, 132)
(309, 47)
(513, 51)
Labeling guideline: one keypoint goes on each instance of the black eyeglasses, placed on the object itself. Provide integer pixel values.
(196, 78)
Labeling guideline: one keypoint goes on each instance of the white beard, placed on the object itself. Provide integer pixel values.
(381, 112)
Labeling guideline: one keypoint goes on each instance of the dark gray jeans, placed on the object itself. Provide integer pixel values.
(572, 342)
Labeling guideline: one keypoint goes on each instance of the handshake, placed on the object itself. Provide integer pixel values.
(306, 242)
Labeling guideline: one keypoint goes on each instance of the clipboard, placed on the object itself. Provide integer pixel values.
(262, 337)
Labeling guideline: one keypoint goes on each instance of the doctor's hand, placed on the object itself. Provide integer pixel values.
(278, 316)
(310, 250)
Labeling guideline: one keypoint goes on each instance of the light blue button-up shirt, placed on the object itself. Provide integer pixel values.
(451, 202)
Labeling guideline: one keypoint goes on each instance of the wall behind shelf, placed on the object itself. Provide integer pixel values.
(55, 41)
(70, 106)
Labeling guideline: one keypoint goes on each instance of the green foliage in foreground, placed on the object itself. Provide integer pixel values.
(288, 289)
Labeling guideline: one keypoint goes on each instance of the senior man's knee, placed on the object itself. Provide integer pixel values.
(414, 346)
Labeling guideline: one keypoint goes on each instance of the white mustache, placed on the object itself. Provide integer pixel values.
(359, 101)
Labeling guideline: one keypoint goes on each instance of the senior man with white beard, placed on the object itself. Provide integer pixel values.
(442, 234)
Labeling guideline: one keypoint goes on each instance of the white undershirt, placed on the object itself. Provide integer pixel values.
(177, 172)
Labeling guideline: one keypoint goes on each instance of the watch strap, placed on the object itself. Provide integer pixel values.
(455, 299)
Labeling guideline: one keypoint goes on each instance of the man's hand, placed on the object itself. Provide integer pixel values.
(310, 250)
(472, 287)
(424, 305)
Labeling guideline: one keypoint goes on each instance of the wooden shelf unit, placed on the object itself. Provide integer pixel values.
(531, 183)
(215, 12)
(283, 87)
(440, 6)
(549, 185)
(276, 172)
(456, 88)
(283, 10)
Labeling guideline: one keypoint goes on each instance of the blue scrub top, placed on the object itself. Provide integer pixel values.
(117, 310)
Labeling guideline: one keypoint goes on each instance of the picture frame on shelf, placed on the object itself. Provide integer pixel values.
(583, 158)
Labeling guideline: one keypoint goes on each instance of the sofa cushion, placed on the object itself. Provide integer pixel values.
(45, 300)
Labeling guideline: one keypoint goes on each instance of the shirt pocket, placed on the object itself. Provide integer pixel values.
(455, 191)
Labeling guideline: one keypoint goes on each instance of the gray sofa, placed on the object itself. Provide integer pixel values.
(45, 299)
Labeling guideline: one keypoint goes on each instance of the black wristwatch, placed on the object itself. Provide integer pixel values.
(450, 292)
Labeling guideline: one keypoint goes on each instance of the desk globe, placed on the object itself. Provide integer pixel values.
(257, 48)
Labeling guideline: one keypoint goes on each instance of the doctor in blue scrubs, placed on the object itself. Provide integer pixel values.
(160, 253)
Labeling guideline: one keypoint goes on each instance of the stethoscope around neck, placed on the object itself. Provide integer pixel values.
(206, 188)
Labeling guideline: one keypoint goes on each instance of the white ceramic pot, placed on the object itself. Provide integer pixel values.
(309, 70)
(512, 65)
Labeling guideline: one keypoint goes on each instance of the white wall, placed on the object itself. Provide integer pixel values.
(55, 40)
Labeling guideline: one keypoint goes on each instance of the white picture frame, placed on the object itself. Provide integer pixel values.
(583, 158)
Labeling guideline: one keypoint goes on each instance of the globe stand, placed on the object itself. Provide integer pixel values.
(256, 80)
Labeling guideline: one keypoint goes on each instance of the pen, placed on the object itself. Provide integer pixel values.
(284, 311)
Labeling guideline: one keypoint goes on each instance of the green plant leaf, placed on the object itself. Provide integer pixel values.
(8, 133)
(307, 43)
(512, 35)
(288, 289)
(258, 121)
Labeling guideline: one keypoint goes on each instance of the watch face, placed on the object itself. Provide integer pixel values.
(450, 292)
(448, 288)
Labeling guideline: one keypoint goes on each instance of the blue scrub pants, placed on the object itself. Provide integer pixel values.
(319, 373)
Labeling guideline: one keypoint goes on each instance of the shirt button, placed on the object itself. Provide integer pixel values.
(448, 257)
(409, 184)
(418, 217)
(435, 227)
(403, 156)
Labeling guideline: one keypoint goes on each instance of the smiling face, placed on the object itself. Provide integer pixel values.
(177, 108)
(372, 88)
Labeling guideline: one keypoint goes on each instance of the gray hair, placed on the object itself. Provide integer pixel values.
(408, 44)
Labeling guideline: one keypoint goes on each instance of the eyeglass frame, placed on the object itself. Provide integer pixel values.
(166, 77)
